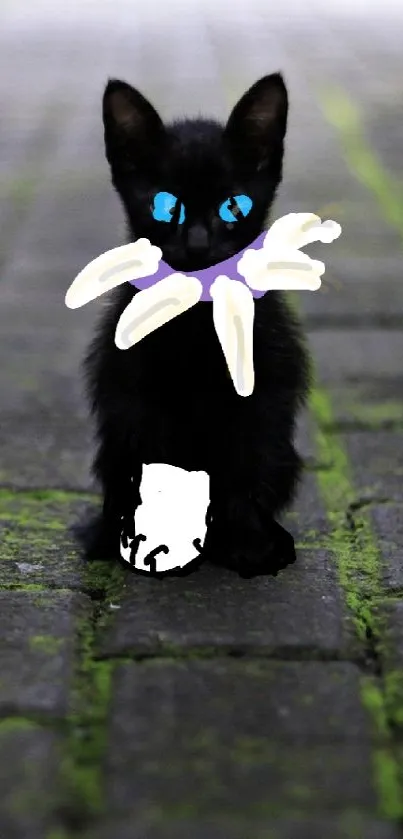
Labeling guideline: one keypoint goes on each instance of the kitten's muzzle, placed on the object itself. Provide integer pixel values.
(198, 240)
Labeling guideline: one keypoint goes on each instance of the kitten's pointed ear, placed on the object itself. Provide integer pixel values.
(256, 127)
(133, 129)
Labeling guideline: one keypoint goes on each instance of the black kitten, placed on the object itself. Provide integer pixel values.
(170, 398)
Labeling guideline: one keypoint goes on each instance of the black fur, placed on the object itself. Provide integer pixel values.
(170, 398)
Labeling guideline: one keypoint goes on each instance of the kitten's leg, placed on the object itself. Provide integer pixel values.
(246, 496)
(120, 478)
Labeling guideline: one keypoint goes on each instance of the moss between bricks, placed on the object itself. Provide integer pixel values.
(367, 416)
(82, 760)
(46, 644)
(12, 724)
(358, 561)
(59, 495)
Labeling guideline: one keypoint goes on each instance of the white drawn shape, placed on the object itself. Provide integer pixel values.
(296, 230)
(285, 269)
(112, 268)
(172, 512)
(154, 306)
(277, 265)
(233, 315)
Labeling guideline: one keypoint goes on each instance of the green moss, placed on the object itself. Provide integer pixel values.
(376, 416)
(250, 751)
(29, 521)
(46, 643)
(82, 763)
(360, 405)
(105, 576)
(300, 793)
(168, 649)
(357, 555)
(36, 512)
(373, 700)
(58, 495)
(389, 784)
(82, 758)
(24, 587)
(358, 561)
(21, 190)
(393, 689)
(311, 546)
(10, 725)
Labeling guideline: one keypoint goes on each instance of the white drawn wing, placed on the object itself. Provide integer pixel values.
(154, 306)
(282, 270)
(112, 268)
(233, 315)
(296, 230)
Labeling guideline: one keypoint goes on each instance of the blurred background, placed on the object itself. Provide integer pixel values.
(344, 69)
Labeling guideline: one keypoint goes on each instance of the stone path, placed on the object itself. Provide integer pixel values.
(209, 707)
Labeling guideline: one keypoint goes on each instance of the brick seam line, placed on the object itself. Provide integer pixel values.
(82, 797)
(8, 493)
(358, 562)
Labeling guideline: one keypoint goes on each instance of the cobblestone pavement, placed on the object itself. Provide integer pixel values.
(207, 707)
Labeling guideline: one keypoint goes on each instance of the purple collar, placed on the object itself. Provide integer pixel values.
(206, 275)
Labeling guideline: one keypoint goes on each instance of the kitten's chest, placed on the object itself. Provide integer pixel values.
(186, 352)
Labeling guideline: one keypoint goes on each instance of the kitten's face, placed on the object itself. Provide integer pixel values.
(198, 190)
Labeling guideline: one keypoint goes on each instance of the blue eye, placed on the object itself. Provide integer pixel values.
(241, 204)
(164, 207)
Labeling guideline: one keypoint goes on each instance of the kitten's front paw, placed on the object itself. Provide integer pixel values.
(251, 553)
(276, 553)
(98, 540)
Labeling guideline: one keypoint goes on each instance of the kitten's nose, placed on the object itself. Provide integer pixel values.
(198, 238)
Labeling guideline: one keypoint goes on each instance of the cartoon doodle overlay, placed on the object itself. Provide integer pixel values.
(159, 541)
(170, 523)
(275, 263)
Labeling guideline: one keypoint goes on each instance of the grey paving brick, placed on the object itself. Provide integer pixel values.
(347, 355)
(306, 519)
(299, 610)
(304, 442)
(204, 739)
(360, 292)
(377, 463)
(39, 557)
(28, 779)
(48, 453)
(390, 618)
(370, 404)
(36, 542)
(387, 521)
(37, 648)
(269, 828)
(45, 435)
